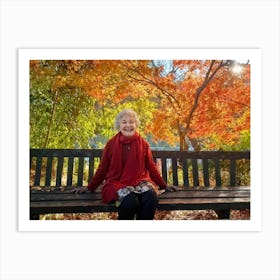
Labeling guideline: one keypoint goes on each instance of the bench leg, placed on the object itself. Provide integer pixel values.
(34, 216)
(223, 214)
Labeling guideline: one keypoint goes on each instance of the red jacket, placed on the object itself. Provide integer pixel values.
(109, 191)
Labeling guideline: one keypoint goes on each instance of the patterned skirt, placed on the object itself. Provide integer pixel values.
(143, 186)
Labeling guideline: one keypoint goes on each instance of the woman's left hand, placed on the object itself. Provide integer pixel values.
(171, 189)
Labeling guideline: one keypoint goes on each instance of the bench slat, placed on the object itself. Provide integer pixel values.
(38, 171)
(218, 172)
(49, 171)
(185, 172)
(80, 171)
(195, 172)
(164, 168)
(165, 204)
(174, 171)
(63, 196)
(205, 172)
(68, 189)
(70, 170)
(182, 201)
(232, 172)
(59, 170)
(91, 167)
(205, 204)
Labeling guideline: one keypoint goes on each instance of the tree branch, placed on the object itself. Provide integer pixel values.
(168, 95)
(206, 81)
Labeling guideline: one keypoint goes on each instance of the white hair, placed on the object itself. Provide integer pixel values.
(126, 112)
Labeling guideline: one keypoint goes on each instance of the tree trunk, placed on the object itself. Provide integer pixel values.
(195, 145)
(183, 144)
(51, 120)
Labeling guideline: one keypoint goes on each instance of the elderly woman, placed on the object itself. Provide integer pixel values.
(128, 171)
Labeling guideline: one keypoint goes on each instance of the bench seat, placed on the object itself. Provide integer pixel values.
(48, 200)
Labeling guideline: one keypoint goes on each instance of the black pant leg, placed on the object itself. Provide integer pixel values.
(148, 204)
(128, 207)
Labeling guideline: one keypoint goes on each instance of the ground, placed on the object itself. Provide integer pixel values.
(160, 215)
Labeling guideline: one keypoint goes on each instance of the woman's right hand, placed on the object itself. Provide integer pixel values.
(80, 190)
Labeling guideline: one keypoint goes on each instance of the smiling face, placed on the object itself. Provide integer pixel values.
(128, 126)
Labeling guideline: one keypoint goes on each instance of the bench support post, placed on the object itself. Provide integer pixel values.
(223, 214)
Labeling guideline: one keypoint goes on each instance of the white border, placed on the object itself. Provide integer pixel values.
(254, 224)
(142, 24)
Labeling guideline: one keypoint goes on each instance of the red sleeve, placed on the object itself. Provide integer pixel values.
(102, 169)
(153, 170)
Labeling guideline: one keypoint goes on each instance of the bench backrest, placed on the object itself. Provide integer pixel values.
(75, 167)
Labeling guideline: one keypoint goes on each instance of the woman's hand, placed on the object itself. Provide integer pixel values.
(171, 189)
(80, 190)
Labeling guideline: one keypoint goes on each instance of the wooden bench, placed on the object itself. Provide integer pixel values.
(206, 180)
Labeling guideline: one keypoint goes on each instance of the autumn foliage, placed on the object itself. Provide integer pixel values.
(192, 103)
